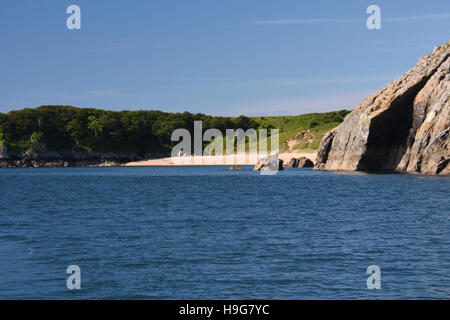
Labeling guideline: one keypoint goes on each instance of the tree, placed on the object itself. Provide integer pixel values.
(95, 125)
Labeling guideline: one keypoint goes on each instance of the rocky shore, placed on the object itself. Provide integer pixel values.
(302, 162)
(66, 159)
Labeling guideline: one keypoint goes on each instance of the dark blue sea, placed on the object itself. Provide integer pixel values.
(207, 233)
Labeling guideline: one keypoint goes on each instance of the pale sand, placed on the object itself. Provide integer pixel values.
(218, 160)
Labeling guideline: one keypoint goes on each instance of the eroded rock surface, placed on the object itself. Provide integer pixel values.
(403, 127)
(269, 163)
(302, 162)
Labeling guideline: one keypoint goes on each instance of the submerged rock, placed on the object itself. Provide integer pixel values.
(272, 163)
(403, 127)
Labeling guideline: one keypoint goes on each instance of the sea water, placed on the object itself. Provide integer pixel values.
(206, 233)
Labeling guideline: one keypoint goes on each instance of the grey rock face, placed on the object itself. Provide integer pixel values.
(301, 162)
(272, 163)
(304, 162)
(292, 164)
(403, 127)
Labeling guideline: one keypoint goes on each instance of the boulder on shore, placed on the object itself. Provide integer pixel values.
(403, 127)
(272, 163)
(302, 162)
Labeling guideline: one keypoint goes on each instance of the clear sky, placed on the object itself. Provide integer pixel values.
(220, 57)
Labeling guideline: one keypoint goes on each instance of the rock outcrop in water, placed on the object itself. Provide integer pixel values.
(302, 162)
(269, 163)
(403, 127)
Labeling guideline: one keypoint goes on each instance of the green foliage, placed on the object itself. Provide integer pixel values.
(62, 128)
(65, 128)
(315, 124)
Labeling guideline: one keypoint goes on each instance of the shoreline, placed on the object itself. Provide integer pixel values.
(236, 160)
(117, 161)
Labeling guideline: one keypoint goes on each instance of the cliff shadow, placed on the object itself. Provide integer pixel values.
(389, 133)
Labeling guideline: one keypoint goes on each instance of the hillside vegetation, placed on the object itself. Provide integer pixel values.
(66, 128)
(303, 132)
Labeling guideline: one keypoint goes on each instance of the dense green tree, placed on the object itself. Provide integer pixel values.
(62, 128)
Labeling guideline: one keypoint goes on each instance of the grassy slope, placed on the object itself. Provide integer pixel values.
(308, 129)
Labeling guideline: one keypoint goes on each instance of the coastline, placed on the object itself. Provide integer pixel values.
(218, 160)
(55, 160)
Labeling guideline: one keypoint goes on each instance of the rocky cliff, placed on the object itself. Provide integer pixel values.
(403, 127)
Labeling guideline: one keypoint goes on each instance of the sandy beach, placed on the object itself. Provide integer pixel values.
(218, 160)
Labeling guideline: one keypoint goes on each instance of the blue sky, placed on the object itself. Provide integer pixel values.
(251, 57)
